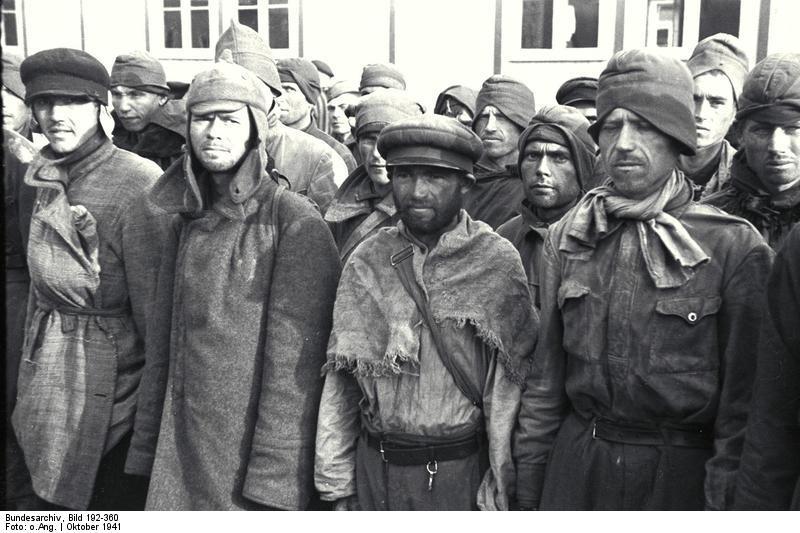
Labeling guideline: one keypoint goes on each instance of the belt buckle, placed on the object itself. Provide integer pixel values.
(383, 457)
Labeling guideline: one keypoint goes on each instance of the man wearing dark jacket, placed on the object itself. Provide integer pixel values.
(638, 393)
(147, 122)
(765, 175)
(503, 109)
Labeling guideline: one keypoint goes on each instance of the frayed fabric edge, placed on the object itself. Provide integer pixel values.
(389, 365)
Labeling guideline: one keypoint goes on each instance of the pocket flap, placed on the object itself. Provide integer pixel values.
(690, 310)
(570, 289)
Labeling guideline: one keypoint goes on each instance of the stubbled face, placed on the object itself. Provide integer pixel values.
(455, 109)
(638, 157)
(293, 104)
(220, 138)
(340, 122)
(773, 153)
(373, 162)
(714, 107)
(15, 113)
(428, 198)
(548, 175)
(66, 121)
(499, 135)
(135, 107)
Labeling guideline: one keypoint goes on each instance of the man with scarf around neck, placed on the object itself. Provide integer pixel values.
(397, 430)
(364, 203)
(503, 109)
(147, 122)
(719, 67)
(650, 310)
(93, 253)
(765, 175)
(769, 475)
(237, 432)
(301, 92)
(556, 160)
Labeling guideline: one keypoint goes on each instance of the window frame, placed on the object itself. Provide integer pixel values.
(155, 16)
(19, 48)
(512, 37)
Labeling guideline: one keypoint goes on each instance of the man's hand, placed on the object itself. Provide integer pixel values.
(350, 503)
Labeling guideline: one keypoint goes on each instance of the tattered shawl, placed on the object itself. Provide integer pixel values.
(471, 277)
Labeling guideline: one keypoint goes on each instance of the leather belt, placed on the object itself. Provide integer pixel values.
(620, 432)
(421, 454)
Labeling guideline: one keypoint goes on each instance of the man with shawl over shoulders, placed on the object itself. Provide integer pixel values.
(433, 328)
(638, 392)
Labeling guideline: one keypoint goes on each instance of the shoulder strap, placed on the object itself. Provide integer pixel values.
(405, 270)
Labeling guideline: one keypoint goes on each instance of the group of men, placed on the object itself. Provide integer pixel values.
(270, 291)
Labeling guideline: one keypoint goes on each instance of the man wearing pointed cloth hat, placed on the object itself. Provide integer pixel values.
(641, 377)
(433, 327)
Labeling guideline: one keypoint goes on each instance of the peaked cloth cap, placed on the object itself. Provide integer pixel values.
(655, 86)
(64, 71)
(583, 89)
(375, 111)
(721, 52)
(342, 87)
(249, 50)
(434, 140)
(382, 75)
(771, 91)
(304, 74)
(322, 67)
(11, 78)
(139, 70)
(510, 96)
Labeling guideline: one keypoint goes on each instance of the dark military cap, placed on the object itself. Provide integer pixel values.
(64, 71)
(577, 90)
(434, 140)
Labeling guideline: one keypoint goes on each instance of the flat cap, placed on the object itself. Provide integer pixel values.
(64, 71)
(139, 70)
(771, 91)
(721, 52)
(342, 87)
(11, 78)
(434, 140)
(583, 89)
(323, 67)
(382, 75)
(249, 50)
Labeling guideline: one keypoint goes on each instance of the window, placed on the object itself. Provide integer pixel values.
(183, 28)
(10, 31)
(271, 19)
(719, 16)
(665, 23)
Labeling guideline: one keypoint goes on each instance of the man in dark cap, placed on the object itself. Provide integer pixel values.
(147, 122)
(458, 102)
(556, 160)
(301, 93)
(342, 97)
(433, 327)
(239, 320)
(378, 76)
(310, 166)
(364, 204)
(765, 175)
(93, 254)
(580, 93)
(769, 475)
(719, 67)
(639, 386)
(503, 109)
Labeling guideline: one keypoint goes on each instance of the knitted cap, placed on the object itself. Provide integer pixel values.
(139, 70)
(303, 73)
(582, 89)
(382, 75)
(653, 85)
(721, 52)
(433, 140)
(251, 51)
(322, 67)
(378, 109)
(771, 91)
(510, 96)
(11, 78)
(64, 71)
(464, 95)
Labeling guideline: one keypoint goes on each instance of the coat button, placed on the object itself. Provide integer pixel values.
(692, 317)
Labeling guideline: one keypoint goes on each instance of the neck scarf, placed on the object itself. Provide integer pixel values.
(670, 253)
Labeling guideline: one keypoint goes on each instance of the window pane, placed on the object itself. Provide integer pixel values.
(200, 29)
(9, 5)
(199, 3)
(665, 23)
(172, 29)
(248, 2)
(279, 28)
(719, 16)
(587, 13)
(249, 17)
(10, 29)
(172, 3)
(278, 1)
(537, 24)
